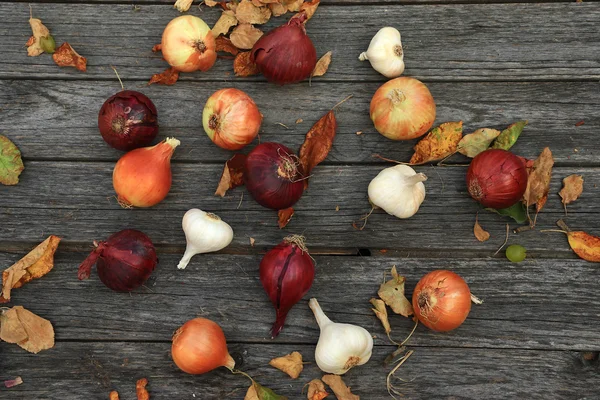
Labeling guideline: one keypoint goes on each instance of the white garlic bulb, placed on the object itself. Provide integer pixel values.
(204, 232)
(385, 53)
(398, 190)
(340, 346)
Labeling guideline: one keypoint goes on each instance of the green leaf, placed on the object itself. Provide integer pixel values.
(517, 211)
(474, 143)
(509, 136)
(264, 393)
(11, 164)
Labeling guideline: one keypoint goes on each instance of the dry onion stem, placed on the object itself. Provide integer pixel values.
(392, 390)
(505, 241)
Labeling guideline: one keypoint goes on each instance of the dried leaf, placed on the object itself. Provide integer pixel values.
(277, 9)
(156, 48)
(248, 13)
(251, 393)
(392, 292)
(341, 391)
(36, 43)
(317, 143)
(538, 183)
(11, 164)
(140, 389)
(224, 23)
(509, 136)
(293, 5)
(309, 7)
(381, 313)
(284, 217)
(322, 65)
(517, 211)
(211, 3)
(572, 189)
(66, 56)
(114, 395)
(183, 5)
(585, 245)
(481, 234)
(439, 143)
(259, 392)
(21, 326)
(168, 77)
(224, 44)
(13, 382)
(243, 65)
(252, 241)
(233, 174)
(291, 364)
(37, 263)
(316, 390)
(479, 141)
(245, 35)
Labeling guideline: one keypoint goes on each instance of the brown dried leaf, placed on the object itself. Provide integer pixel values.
(224, 23)
(284, 217)
(293, 5)
(291, 364)
(322, 65)
(251, 393)
(243, 66)
(245, 35)
(317, 144)
(66, 56)
(233, 174)
(248, 13)
(183, 5)
(585, 245)
(277, 9)
(392, 293)
(156, 48)
(381, 313)
(572, 189)
(224, 44)
(34, 47)
(114, 395)
(316, 390)
(140, 389)
(21, 326)
(13, 382)
(538, 183)
(439, 143)
(211, 3)
(168, 77)
(341, 391)
(37, 263)
(252, 241)
(309, 7)
(481, 234)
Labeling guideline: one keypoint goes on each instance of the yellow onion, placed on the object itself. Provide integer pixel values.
(188, 44)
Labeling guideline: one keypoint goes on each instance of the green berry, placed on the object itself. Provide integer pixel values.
(48, 44)
(516, 253)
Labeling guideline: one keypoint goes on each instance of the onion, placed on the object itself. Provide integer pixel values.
(287, 273)
(199, 346)
(188, 44)
(128, 120)
(231, 119)
(124, 261)
(274, 176)
(403, 109)
(497, 178)
(142, 177)
(285, 54)
(441, 300)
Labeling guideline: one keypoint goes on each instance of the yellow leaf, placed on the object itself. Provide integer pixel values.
(479, 141)
(32, 333)
(572, 189)
(183, 5)
(244, 36)
(392, 293)
(481, 234)
(322, 65)
(381, 313)
(291, 364)
(441, 142)
(224, 23)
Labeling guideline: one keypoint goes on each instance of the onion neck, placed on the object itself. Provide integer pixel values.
(322, 319)
(85, 269)
(414, 179)
(396, 96)
(229, 362)
(297, 240)
(426, 301)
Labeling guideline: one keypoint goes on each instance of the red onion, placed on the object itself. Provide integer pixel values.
(286, 272)
(497, 178)
(124, 261)
(274, 176)
(285, 54)
(128, 120)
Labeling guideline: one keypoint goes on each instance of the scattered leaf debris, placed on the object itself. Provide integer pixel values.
(477, 142)
(140, 389)
(233, 174)
(13, 382)
(481, 234)
(29, 331)
(291, 364)
(183, 5)
(509, 136)
(441, 142)
(571, 190)
(284, 217)
(392, 293)
(11, 164)
(66, 56)
(381, 313)
(322, 65)
(244, 36)
(243, 65)
(168, 77)
(316, 390)
(341, 391)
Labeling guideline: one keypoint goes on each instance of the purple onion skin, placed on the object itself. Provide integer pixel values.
(285, 54)
(274, 176)
(124, 261)
(128, 120)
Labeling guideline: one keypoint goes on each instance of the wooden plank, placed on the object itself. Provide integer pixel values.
(446, 42)
(64, 123)
(538, 304)
(91, 370)
(76, 200)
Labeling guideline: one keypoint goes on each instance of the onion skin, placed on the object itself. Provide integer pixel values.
(285, 54)
(188, 44)
(142, 177)
(274, 176)
(199, 346)
(403, 109)
(128, 120)
(124, 261)
(231, 119)
(497, 178)
(442, 300)
(287, 273)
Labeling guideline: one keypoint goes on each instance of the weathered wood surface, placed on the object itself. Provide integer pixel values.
(443, 42)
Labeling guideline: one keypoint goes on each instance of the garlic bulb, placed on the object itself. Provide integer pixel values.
(204, 232)
(398, 190)
(340, 346)
(385, 53)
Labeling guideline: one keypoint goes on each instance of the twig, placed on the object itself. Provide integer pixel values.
(391, 389)
(390, 160)
(240, 203)
(118, 77)
(505, 241)
(440, 163)
(363, 218)
(342, 102)
(476, 299)
(285, 126)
